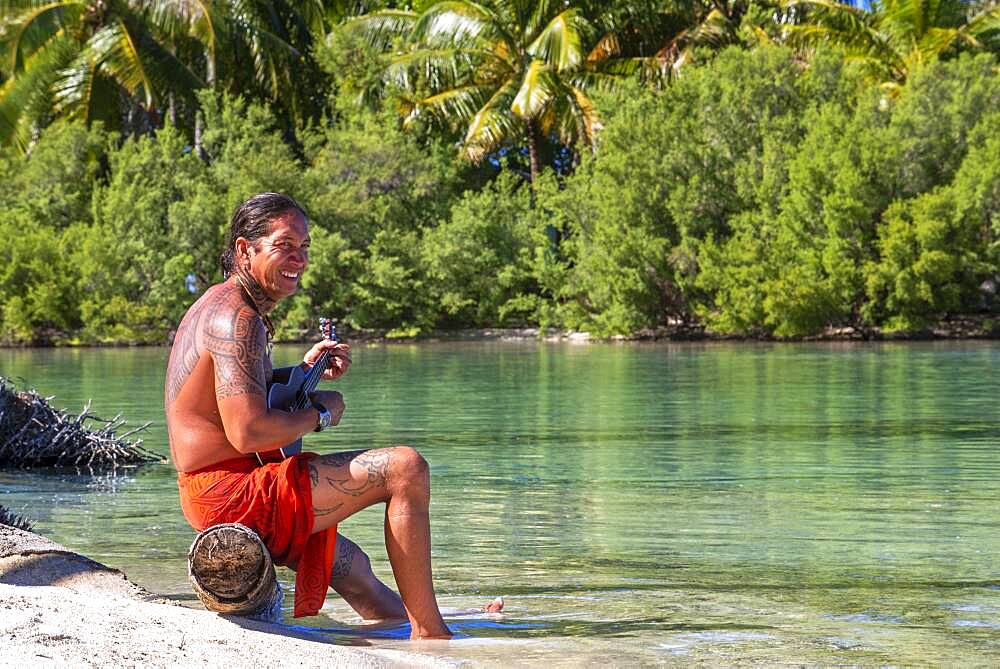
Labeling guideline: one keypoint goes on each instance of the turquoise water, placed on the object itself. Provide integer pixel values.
(635, 504)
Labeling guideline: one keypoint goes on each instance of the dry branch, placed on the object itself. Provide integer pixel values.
(11, 519)
(33, 434)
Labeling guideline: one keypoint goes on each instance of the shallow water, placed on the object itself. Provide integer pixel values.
(635, 504)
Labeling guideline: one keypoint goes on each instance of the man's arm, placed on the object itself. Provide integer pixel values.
(237, 343)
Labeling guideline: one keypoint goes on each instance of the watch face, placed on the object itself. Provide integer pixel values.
(325, 417)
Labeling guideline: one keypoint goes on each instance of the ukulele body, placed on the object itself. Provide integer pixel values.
(288, 388)
(285, 385)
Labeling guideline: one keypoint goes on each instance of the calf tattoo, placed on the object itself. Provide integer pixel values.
(345, 559)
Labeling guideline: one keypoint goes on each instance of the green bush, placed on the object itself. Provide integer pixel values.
(478, 262)
(52, 185)
(39, 299)
(46, 202)
(132, 269)
(935, 250)
(374, 190)
(755, 194)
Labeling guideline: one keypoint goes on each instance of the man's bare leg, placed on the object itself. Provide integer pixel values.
(345, 483)
(354, 580)
(373, 600)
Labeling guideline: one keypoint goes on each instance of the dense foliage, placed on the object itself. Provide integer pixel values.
(759, 189)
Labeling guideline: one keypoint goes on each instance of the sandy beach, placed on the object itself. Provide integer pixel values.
(58, 608)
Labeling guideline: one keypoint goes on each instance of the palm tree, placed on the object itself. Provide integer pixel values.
(248, 47)
(80, 58)
(83, 58)
(894, 36)
(504, 72)
(686, 26)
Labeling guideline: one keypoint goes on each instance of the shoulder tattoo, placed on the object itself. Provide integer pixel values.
(238, 343)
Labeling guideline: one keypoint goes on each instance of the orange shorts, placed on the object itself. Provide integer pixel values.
(275, 500)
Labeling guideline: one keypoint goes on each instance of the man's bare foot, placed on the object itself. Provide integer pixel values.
(496, 606)
(435, 632)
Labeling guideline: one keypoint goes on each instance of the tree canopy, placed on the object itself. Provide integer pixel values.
(749, 168)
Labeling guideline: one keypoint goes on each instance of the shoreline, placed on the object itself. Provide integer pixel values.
(61, 608)
(960, 328)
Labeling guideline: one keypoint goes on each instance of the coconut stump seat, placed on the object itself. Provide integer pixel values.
(231, 572)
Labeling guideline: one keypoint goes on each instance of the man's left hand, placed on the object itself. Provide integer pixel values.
(340, 358)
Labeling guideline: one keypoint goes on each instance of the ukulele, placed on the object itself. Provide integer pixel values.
(290, 389)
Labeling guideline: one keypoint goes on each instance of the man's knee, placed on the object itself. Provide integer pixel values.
(409, 467)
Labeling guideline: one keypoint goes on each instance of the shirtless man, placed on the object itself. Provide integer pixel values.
(218, 420)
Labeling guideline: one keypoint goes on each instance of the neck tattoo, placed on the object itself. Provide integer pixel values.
(255, 296)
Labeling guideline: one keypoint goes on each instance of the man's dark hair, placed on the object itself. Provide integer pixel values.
(252, 220)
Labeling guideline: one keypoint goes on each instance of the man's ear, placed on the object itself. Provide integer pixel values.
(242, 248)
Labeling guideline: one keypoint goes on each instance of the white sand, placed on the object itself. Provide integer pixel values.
(59, 608)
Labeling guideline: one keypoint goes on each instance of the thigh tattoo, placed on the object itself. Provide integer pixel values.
(375, 462)
(325, 511)
(331, 459)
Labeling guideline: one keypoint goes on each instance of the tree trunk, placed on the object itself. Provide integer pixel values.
(198, 118)
(231, 572)
(532, 152)
(172, 109)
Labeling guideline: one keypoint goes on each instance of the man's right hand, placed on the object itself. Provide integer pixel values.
(333, 401)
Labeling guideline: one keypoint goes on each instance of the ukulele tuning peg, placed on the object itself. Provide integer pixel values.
(328, 329)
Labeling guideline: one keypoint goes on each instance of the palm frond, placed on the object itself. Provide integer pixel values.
(114, 51)
(608, 81)
(84, 93)
(607, 47)
(310, 17)
(457, 23)
(586, 113)
(560, 44)
(25, 98)
(571, 118)
(936, 42)
(851, 22)
(382, 29)
(984, 22)
(72, 91)
(715, 30)
(459, 104)
(860, 43)
(538, 85)
(444, 68)
(23, 34)
(537, 17)
(165, 70)
(258, 34)
(492, 124)
(199, 19)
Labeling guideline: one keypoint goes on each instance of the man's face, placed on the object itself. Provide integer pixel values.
(278, 260)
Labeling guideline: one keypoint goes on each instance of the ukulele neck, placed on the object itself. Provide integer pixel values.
(313, 377)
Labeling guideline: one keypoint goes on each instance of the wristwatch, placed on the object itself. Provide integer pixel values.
(325, 417)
